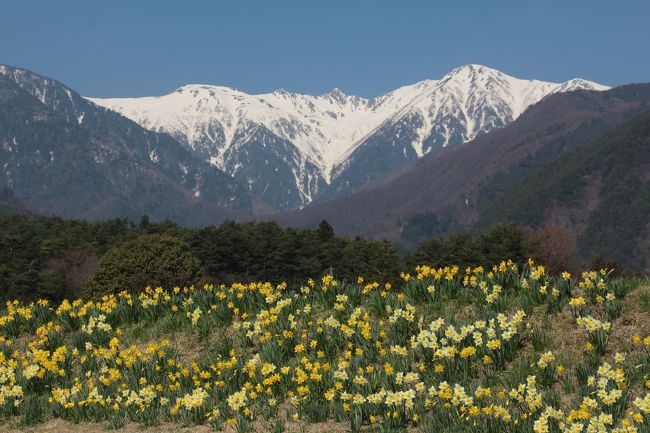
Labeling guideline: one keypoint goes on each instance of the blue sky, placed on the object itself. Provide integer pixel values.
(134, 48)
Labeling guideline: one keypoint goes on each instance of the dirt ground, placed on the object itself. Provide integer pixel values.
(60, 426)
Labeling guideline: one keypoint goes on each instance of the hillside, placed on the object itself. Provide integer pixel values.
(449, 190)
(599, 193)
(509, 348)
(63, 155)
(10, 204)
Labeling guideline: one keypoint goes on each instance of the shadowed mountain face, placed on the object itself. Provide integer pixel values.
(64, 155)
(597, 195)
(453, 188)
(10, 204)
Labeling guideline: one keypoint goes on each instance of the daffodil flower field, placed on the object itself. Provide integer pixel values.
(447, 350)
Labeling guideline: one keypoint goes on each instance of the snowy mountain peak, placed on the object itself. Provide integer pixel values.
(580, 84)
(472, 69)
(473, 73)
(198, 90)
(337, 95)
(283, 93)
(316, 138)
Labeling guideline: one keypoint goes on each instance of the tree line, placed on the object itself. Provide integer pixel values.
(56, 258)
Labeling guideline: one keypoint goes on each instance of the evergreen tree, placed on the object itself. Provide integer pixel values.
(325, 231)
(150, 260)
(144, 222)
(504, 241)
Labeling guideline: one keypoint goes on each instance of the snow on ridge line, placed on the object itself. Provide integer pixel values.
(327, 128)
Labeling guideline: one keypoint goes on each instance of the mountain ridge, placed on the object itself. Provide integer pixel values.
(62, 154)
(328, 138)
(449, 190)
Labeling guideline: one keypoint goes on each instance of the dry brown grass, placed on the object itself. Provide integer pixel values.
(60, 426)
(567, 337)
(633, 321)
(570, 339)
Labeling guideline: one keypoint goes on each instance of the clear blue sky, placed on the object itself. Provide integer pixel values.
(133, 48)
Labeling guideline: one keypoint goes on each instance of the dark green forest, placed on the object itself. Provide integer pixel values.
(609, 177)
(56, 258)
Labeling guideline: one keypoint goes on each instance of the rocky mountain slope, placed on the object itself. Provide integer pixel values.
(294, 149)
(61, 154)
(462, 185)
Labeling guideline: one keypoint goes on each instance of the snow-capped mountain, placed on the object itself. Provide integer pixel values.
(291, 149)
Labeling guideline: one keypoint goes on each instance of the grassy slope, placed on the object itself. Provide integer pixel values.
(555, 332)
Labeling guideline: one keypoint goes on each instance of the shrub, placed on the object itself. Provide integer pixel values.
(150, 260)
